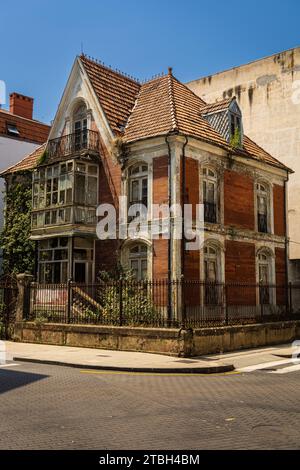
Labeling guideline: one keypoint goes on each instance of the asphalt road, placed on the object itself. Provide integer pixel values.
(50, 407)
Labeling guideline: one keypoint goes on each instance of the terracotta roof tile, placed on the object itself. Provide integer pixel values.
(116, 92)
(258, 153)
(217, 106)
(29, 129)
(165, 104)
(154, 108)
(28, 163)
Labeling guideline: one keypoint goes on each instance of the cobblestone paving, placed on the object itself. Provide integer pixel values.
(49, 407)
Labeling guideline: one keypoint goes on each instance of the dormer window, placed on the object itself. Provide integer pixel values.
(226, 118)
(235, 129)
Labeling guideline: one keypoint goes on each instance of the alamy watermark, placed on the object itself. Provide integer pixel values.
(158, 221)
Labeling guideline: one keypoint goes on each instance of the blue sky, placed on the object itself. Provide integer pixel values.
(40, 39)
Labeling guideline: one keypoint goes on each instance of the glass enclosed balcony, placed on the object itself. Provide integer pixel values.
(65, 193)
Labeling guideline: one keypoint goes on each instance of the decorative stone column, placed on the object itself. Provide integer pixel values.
(24, 281)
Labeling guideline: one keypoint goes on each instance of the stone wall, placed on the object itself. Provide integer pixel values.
(173, 342)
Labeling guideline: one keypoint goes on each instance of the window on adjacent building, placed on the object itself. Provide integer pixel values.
(209, 190)
(262, 193)
(12, 130)
(138, 262)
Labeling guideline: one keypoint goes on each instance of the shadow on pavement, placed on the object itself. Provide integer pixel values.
(10, 379)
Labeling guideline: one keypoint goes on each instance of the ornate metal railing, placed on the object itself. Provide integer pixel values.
(70, 144)
(161, 302)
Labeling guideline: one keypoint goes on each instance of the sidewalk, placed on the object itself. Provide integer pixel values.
(86, 358)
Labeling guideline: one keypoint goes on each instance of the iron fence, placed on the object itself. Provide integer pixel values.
(8, 300)
(162, 303)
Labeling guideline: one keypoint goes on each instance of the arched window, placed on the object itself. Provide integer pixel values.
(138, 261)
(263, 207)
(80, 126)
(265, 275)
(138, 184)
(209, 195)
(212, 274)
(211, 268)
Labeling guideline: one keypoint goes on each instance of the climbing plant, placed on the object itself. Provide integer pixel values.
(235, 140)
(18, 250)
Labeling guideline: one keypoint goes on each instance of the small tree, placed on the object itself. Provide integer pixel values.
(18, 249)
(235, 140)
(119, 290)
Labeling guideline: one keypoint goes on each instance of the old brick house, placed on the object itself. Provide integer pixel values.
(267, 91)
(174, 148)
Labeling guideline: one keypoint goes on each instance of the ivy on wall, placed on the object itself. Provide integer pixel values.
(18, 250)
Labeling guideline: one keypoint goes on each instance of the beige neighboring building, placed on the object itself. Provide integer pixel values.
(268, 92)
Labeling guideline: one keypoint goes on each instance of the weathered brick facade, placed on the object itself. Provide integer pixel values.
(238, 200)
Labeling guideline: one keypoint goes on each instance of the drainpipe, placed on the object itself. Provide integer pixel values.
(183, 197)
(170, 234)
(286, 241)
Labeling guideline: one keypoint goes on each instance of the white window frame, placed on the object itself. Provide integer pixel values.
(139, 257)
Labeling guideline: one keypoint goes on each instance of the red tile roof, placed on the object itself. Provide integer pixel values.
(217, 106)
(116, 92)
(28, 163)
(155, 108)
(29, 129)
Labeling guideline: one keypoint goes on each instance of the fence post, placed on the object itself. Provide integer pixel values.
(290, 298)
(261, 301)
(69, 300)
(121, 302)
(23, 301)
(183, 304)
(226, 304)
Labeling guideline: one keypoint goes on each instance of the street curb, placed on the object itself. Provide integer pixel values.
(158, 370)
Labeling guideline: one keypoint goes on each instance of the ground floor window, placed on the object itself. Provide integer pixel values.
(265, 278)
(213, 294)
(138, 262)
(62, 258)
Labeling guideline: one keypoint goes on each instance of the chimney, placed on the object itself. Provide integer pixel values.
(21, 105)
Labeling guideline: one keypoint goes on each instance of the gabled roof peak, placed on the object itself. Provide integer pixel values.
(109, 67)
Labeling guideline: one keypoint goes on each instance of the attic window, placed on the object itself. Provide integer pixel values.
(235, 127)
(235, 123)
(12, 130)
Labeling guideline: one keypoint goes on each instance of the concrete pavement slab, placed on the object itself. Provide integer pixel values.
(112, 360)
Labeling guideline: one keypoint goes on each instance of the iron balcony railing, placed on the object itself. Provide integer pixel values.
(70, 144)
